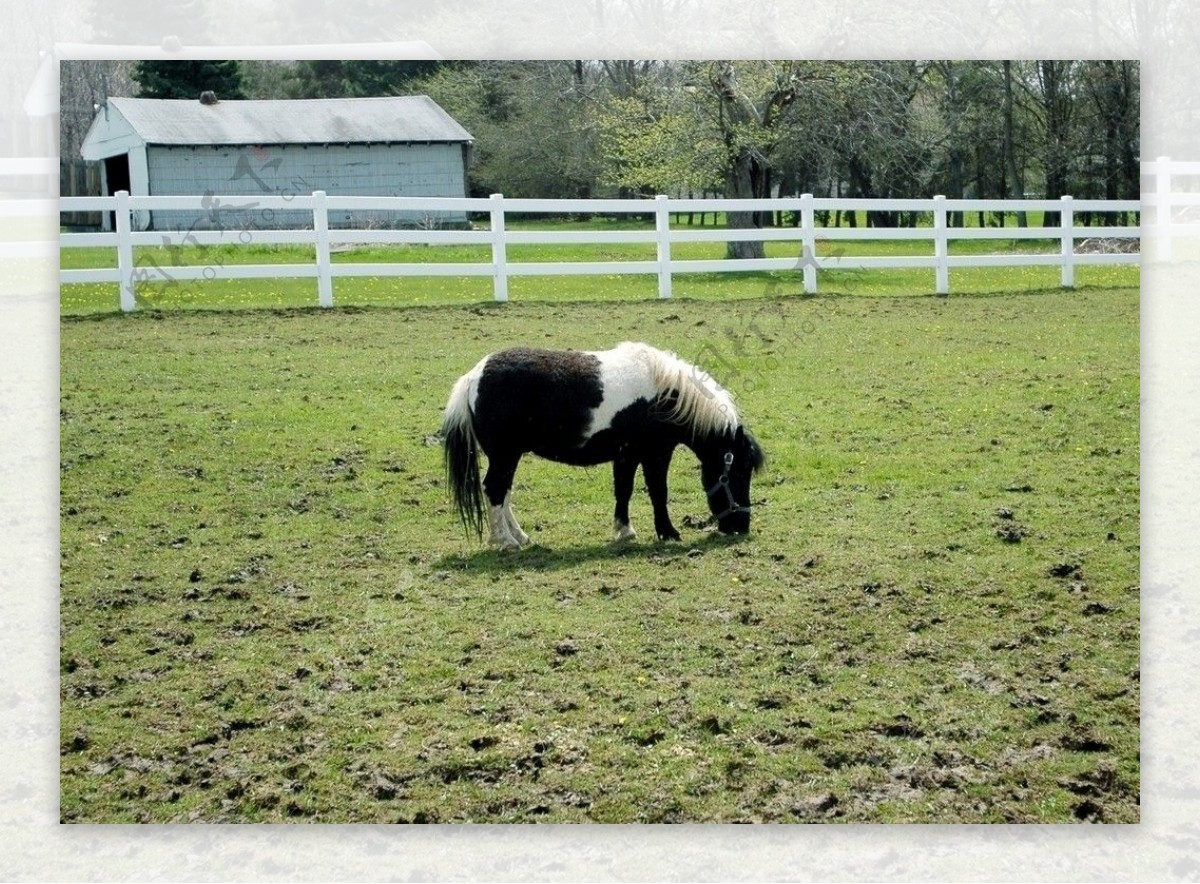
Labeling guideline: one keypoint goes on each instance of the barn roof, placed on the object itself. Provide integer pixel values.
(300, 121)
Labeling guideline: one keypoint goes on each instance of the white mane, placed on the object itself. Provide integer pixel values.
(703, 404)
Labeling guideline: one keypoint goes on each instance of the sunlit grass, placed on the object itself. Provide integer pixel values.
(270, 613)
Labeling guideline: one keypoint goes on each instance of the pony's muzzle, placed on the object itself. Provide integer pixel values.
(737, 523)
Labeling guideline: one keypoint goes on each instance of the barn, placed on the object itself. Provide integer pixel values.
(395, 146)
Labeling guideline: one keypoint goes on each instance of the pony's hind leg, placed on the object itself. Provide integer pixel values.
(501, 534)
(497, 485)
(513, 527)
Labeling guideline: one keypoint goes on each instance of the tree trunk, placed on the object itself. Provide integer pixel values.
(742, 185)
(862, 186)
(1015, 187)
(1056, 104)
(956, 219)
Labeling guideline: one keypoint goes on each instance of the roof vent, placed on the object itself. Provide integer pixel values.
(208, 97)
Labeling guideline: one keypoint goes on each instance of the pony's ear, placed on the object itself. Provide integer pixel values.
(739, 434)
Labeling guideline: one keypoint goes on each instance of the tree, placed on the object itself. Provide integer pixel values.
(751, 98)
(651, 138)
(83, 86)
(701, 126)
(752, 129)
(357, 78)
(1052, 89)
(1112, 88)
(268, 79)
(187, 79)
(532, 123)
(1012, 172)
(882, 132)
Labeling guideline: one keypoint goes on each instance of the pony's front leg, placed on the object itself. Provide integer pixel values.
(655, 468)
(624, 470)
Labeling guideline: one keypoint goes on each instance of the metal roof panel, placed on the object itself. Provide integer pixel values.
(298, 121)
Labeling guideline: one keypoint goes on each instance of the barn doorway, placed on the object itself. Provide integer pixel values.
(116, 173)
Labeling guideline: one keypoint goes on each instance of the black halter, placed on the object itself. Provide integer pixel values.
(723, 484)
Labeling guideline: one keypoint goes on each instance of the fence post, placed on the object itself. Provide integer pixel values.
(808, 227)
(321, 229)
(125, 252)
(941, 247)
(1067, 219)
(662, 229)
(1162, 211)
(499, 249)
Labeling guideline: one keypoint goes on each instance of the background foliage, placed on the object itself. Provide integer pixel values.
(733, 128)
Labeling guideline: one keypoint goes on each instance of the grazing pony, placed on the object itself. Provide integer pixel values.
(630, 405)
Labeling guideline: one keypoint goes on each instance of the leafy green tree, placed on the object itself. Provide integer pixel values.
(532, 123)
(1111, 119)
(872, 129)
(357, 78)
(187, 79)
(751, 99)
(268, 78)
(649, 149)
(883, 133)
(1051, 89)
(976, 135)
(705, 125)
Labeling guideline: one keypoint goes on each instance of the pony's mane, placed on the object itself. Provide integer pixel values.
(701, 403)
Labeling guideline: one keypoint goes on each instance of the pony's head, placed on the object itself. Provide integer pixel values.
(725, 471)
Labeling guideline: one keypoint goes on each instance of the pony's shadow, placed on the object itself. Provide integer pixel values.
(545, 558)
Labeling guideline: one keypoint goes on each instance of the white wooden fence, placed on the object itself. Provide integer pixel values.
(1171, 192)
(1175, 209)
(28, 205)
(806, 236)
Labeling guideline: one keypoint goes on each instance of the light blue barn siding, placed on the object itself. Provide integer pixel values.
(234, 174)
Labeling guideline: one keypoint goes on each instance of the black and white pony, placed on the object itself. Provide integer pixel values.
(630, 405)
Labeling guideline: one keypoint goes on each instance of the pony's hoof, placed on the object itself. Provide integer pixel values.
(624, 533)
(507, 543)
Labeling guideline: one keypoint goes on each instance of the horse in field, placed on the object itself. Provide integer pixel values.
(631, 405)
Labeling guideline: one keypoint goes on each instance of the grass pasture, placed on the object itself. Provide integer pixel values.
(268, 612)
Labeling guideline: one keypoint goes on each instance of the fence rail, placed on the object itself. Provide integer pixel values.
(1173, 209)
(807, 234)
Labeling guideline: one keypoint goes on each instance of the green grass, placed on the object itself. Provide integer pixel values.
(269, 612)
(79, 299)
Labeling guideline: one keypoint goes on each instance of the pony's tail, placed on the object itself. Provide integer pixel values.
(462, 458)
